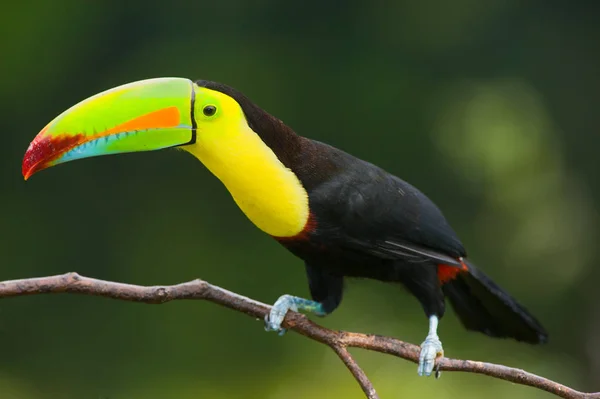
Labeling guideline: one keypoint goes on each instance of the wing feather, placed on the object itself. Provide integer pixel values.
(378, 213)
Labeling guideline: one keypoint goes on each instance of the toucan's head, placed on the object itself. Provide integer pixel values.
(245, 147)
(142, 116)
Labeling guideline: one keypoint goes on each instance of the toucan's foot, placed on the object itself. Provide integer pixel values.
(431, 349)
(274, 319)
(286, 302)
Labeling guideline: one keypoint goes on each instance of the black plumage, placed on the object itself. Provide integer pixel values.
(368, 223)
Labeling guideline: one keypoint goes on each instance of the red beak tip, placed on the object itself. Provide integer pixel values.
(38, 154)
(28, 164)
(44, 149)
(30, 167)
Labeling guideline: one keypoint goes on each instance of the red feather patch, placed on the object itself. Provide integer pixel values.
(447, 273)
(304, 235)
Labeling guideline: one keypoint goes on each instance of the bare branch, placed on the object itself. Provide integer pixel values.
(356, 371)
(339, 341)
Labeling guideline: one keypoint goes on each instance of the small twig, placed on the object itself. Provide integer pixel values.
(356, 371)
(336, 340)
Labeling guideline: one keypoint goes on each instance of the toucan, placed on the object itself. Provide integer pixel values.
(343, 216)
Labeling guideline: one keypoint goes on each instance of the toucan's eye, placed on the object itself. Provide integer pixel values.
(209, 110)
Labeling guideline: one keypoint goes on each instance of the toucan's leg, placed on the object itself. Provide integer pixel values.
(423, 282)
(325, 289)
(431, 348)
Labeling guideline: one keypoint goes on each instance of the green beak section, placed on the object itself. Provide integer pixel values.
(141, 116)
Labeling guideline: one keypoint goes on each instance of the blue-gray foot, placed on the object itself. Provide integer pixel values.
(431, 349)
(286, 302)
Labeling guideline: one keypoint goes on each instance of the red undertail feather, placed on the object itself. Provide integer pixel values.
(448, 273)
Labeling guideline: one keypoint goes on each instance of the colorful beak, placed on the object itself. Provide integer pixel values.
(141, 116)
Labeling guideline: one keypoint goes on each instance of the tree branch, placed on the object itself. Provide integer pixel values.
(356, 371)
(339, 341)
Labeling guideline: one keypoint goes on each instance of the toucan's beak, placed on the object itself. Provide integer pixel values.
(141, 116)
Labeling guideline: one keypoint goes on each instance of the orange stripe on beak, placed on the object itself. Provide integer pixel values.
(162, 118)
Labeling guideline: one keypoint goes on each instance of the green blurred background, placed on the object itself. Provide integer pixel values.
(489, 107)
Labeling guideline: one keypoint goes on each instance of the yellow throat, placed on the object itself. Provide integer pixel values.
(269, 193)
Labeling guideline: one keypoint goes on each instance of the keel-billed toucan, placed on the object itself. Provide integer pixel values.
(342, 216)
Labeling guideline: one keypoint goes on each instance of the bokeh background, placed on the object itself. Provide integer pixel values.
(491, 108)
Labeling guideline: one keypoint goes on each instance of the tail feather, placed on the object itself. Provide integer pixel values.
(483, 306)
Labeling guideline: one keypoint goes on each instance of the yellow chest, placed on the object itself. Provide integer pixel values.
(266, 191)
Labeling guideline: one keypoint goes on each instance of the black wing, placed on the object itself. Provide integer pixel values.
(365, 208)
